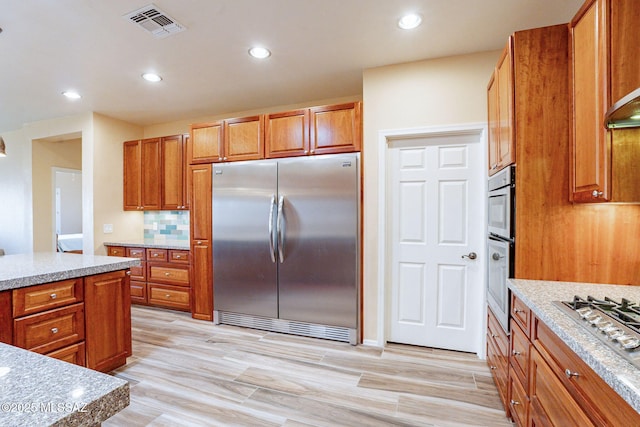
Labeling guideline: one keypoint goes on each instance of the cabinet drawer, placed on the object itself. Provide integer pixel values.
(499, 369)
(521, 313)
(519, 356)
(116, 251)
(51, 330)
(495, 331)
(169, 296)
(166, 274)
(518, 400)
(136, 253)
(138, 292)
(156, 255)
(139, 272)
(604, 404)
(177, 256)
(74, 353)
(35, 299)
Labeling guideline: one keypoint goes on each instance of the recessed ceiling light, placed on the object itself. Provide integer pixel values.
(409, 21)
(151, 77)
(259, 52)
(71, 94)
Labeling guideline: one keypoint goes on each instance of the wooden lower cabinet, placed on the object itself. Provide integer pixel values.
(550, 401)
(498, 355)
(75, 353)
(550, 385)
(6, 318)
(108, 320)
(50, 330)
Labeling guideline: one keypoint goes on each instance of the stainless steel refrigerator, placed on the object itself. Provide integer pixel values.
(286, 245)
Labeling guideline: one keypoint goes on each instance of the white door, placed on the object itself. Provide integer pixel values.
(435, 207)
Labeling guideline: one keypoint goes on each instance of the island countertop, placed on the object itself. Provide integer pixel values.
(36, 390)
(18, 271)
(539, 295)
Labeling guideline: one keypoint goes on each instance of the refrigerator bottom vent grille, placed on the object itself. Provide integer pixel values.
(335, 333)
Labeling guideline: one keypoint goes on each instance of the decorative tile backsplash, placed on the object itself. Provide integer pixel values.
(166, 226)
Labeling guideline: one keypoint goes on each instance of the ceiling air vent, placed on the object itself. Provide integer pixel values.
(155, 21)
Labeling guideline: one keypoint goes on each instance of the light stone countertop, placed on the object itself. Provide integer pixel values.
(621, 375)
(18, 271)
(36, 390)
(152, 244)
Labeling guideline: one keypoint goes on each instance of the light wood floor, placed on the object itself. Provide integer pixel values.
(185, 372)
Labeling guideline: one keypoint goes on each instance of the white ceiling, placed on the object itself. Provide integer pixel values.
(320, 48)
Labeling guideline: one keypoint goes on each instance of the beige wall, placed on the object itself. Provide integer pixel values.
(109, 134)
(46, 155)
(446, 91)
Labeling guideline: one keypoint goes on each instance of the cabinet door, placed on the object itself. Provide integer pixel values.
(624, 20)
(244, 138)
(287, 134)
(108, 320)
(590, 160)
(494, 123)
(336, 128)
(151, 174)
(552, 404)
(6, 318)
(173, 172)
(205, 145)
(201, 251)
(506, 147)
(132, 193)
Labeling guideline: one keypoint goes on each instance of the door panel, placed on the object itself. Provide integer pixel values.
(318, 275)
(435, 292)
(244, 274)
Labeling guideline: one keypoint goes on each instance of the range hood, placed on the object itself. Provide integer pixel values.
(625, 113)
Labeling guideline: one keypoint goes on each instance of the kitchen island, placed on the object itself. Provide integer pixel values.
(622, 376)
(74, 308)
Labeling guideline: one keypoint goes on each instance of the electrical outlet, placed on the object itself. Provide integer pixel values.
(107, 228)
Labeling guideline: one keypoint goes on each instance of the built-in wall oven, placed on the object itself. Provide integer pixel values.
(500, 242)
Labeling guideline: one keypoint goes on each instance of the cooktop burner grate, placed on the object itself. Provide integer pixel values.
(616, 323)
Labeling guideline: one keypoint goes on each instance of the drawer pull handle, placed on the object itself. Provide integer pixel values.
(178, 256)
(53, 295)
(54, 330)
(570, 374)
(155, 255)
(514, 402)
(167, 274)
(516, 353)
(167, 296)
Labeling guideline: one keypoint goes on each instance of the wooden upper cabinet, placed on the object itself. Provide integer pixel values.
(624, 19)
(173, 189)
(501, 116)
(287, 134)
(206, 144)
(151, 173)
(336, 128)
(244, 138)
(590, 160)
(132, 193)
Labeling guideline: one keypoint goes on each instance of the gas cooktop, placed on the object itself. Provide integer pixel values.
(616, 323)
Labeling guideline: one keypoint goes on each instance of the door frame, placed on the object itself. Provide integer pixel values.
(438, 135)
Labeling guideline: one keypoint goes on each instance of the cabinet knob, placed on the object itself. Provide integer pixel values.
(128, 272)
(220, 159)
(516, 311)
(199, 242)
(155, 255)
(167, 296)
(224, 158)
(167, 274)
(570, 374)
(493, 368)
(516, 353)
(312, 151)
(597, 193)
(54, 330)
(306, 151)
(514, 402)
(53, 296)
(494, 335)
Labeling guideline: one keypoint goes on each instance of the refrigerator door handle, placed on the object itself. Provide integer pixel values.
(280, 232)
(272, 237)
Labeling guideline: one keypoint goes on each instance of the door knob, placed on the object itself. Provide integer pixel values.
(496, 256)
(472, 255)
